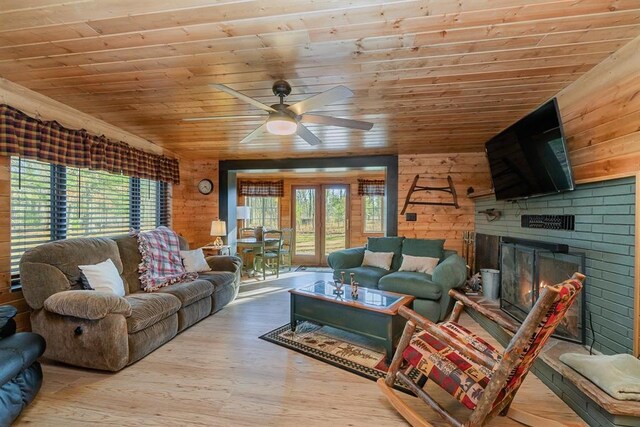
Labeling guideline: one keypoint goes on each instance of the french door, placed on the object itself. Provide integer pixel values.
(320, 217)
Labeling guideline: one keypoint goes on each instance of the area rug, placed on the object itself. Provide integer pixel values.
(342, 349)
(312, 269)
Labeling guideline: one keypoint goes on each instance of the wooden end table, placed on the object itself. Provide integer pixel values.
(211, 250)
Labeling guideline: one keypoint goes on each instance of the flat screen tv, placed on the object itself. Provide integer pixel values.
(529, 158)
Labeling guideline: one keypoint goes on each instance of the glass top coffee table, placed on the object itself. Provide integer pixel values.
(374, 314)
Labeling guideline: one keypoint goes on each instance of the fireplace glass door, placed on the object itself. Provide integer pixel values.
(518, 293)
(526, 270)
(554, 268)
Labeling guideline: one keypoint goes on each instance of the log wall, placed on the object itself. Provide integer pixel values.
(441, 222)
(601, 117)
(192, 212)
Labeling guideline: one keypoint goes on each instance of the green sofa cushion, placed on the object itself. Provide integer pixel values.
(387, 244)
(411, 283)
(365, 276)
(433, 248)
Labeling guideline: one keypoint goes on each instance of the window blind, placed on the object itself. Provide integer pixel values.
(149, 214)
(31, 207)
(97, 203)
(51, 202)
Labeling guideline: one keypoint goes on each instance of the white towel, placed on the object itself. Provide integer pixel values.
(617, 375)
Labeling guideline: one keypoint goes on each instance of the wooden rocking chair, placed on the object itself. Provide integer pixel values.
(470, 369)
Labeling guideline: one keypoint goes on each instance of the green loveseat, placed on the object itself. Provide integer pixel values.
(431, 290)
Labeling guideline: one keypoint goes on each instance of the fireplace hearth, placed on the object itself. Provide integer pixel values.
(526, 268)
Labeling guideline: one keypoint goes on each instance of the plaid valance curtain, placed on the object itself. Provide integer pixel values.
(262, 188)
(28, 137)
(371, 187)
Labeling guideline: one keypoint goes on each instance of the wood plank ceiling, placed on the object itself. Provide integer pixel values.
(433, 75)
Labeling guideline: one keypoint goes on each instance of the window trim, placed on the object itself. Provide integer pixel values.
(364, 215)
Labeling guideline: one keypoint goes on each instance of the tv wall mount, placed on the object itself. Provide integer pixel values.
(415, 188)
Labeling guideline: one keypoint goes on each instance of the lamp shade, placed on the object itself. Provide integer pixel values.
(218, 228)
(243, 212)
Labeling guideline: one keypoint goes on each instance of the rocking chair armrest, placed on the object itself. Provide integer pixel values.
(501, 321)
(438, 333)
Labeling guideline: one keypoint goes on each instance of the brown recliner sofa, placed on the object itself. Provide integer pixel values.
(101, 330)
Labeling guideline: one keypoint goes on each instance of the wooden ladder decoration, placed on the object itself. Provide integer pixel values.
(415, 188)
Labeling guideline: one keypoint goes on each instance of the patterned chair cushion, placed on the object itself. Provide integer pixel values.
(459, 376)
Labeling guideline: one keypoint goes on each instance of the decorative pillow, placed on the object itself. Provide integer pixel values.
(194, 261)
(377, 259)
(161, 263)
(421, 264)
(103, 277)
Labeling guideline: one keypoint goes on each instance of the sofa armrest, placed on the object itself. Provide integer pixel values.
(224, 263)
(89, 305)
(450, 274)
(346, 258)
(39, 281)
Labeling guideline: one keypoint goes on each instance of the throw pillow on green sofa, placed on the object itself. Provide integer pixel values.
(433, 248)
(387, 244)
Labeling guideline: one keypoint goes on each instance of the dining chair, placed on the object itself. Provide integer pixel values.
(245, 253)
(267, 256)
(479, 376)
(286, 252)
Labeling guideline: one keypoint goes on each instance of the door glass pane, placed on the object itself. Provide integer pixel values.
(305, 221)
(335, 227)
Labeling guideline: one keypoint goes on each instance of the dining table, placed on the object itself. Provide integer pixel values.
(254, 245)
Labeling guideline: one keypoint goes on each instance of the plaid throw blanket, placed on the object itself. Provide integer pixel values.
(161, 264)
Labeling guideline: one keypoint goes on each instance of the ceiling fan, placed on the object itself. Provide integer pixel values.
(285, 119)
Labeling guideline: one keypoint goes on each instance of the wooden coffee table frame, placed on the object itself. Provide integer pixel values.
(382, 325)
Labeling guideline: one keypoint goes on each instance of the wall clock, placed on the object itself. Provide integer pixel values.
(205, 186)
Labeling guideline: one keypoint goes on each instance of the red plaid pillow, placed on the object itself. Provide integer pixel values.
(161, 263)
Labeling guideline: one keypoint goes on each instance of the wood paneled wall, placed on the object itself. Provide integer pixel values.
(437, 222)
(192, 212)
(6, 296)
(601, 116)
(357, 237)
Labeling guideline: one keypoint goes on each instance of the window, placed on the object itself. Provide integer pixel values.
(51, 202)
(373, 207)
(265, 211)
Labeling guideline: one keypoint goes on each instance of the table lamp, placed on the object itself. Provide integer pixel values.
(243, 213)
(218, 228)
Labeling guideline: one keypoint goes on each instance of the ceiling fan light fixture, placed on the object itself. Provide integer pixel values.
(281, 125)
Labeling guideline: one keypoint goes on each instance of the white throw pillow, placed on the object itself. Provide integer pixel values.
(421, 264)
(104, 277)
(377, 259)
(194, 261)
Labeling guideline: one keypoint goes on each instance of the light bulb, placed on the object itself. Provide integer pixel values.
(282, 125)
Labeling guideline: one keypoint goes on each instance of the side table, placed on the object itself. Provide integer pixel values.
(216, 250)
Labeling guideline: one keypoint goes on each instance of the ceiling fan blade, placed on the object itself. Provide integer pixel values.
(316, 101)
(202, 119)
(257, 132)
(335, 121)
(307, 135)
(242, 97)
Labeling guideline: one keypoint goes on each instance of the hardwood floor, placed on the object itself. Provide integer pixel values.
(218, 373)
